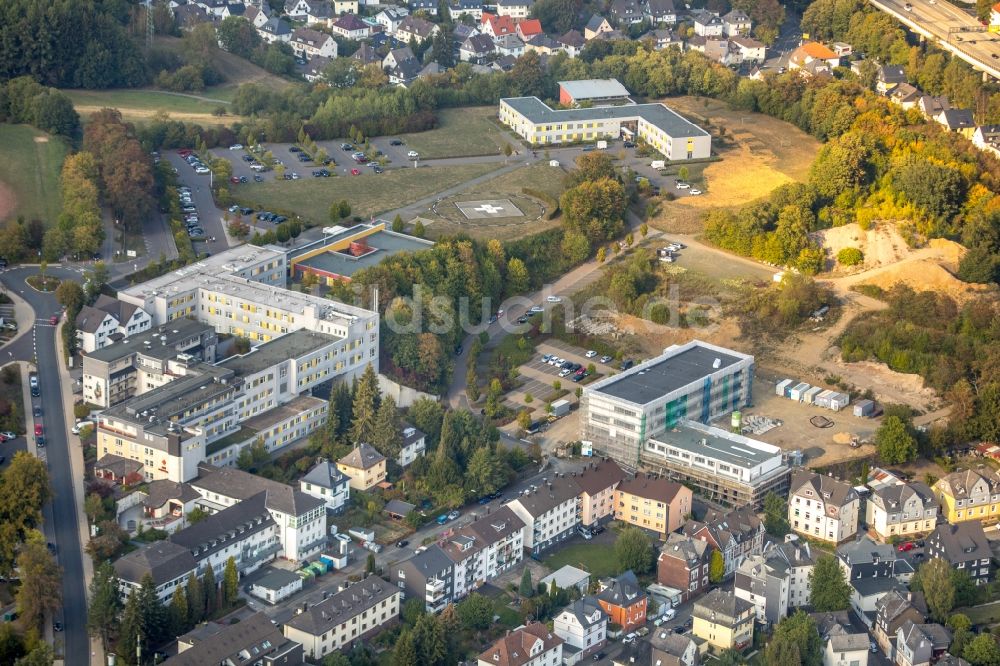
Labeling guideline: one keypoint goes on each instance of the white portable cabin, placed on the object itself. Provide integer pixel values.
(809, 397)
(839, 400)
(779, 389)
(823, 399)
(797, 391)
(864, 408)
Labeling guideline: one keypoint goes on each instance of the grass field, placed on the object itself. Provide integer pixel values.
(461, 132)
(597, 559)
(759, 154)
(142, 105)
(30, 162)
(368, 195)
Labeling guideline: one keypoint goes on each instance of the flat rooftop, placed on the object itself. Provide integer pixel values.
(288, 346)
(658, 115)
(719, 444)
(283, 412)
(673, 370)
(230, 261)
(383, 243)
(584, 89)
(175, 332)
(175, 397)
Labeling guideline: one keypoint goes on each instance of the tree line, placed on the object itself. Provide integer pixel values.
(24, 100)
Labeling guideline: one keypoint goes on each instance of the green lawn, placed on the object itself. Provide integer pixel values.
(597, 559)
(368, 194)
(148, 100)
(986, 614)
(460, 133)
(30, 162)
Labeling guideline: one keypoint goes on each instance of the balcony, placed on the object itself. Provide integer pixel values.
(435, 590)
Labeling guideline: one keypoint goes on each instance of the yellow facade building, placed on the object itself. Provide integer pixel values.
(969, 495)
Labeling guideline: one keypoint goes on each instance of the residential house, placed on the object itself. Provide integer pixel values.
(598, 482)
(461, 32)
(746, 50)
(957, 120)
(583, 627)
(736, 24)
(842, 49)
(258, 16)
(415, 29)
(308, 43)
(905, 96)
(811, 52)
(707, 24)
(528, 29)
(516, 9)
(297, 9)
(276, 585)
(965, 547)
(549, 513)
(275, 30)
(390, 18)
(396, 56)
(497, 26)
(737, 534)
(320, 13)
(901, 510)
(865, 558)
(471, 8)
(346, 618)
(346, 6)
(683, 564)
(366, 55)
(969, 495)
(920, 644)
(428, 575)
(215, 643)
(118, 470)
(477, 49)
(485, 548)
(327, 483)
(661, 12)
(932, 105)
(723, 620)
(821, 507)
(572, 43)
(107, 321)
(776, 581)
(845, 648)
(994, 25)
(190, 16)
(428, 7)
(565, 577)
(624, 600)
(892, 611)
(714, 48)
(405, 73)
(529, 645)
(364, 465)
(414, 446)
(653, 503)
(167, 503)
(987, 137)
(510, 45)
(315, 69)
(888, 77)
(349, 26)
(595, 26)
(664, 38)
(626, 12)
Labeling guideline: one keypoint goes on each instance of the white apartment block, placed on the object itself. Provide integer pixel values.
(583, 626)
(414, 446)
(821, 507)
(550, 513)
(903, 510)
(695, 381)
(776, 582)
(484, 549)
(346, 618)
(329, 484)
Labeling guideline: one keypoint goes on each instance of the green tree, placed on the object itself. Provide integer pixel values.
(518, 280)
(178, 611)
(211, 591)
(485, 472)
(430, 641)
(775, 515)
(828, 589)
(939, 591)
(230, 583)
(397, 224)
(365, 407)
(982, 651)
(387, 435)
(196, 515)
(70, 295)
(104, 603)
(40, 656)
(634, 551)
(894, 442)
(795, 642)
(195, 598)
(595, 208)
(850, 256)
(524, 419)
(716, 567)
(476, 612)
(526, 589)
(418, 229)
(40, 592)
(405, 652)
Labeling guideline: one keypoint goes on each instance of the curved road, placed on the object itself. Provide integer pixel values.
(61, 524)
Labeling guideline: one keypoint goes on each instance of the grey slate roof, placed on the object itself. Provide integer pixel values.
(364, 456)
(825, 488)
(241, 485)
(276, 579)
(250, 515)
(595, 22)
(963, 542)
(90, 319)
(325, 475)
(545, 499)
(842, 641)
(894, 497)
(118, 465)
(164, 560)
(720, 602)
(478, 44)
(158, 492)
(639, 390)
(341, 607)
(255, 636)
(584, 609)
(622, 591)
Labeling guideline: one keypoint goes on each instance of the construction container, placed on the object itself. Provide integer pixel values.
(864, 408)
(796, 392)
(823, 399)
(318, 567)
(560, 408)
(809, 397)
(839, 400)
(779, 389)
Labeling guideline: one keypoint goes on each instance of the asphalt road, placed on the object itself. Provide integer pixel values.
(210, 217)
(61, 525)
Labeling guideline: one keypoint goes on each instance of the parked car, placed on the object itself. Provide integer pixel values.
(346, 146)
(454, 515)
(355, 172)
(584, 532)
(906, 547)
(591, 354)
(413, 154)
(403, 543)
(396, 142)
(378, 169)
(695, 192)
(605, 359)
(681, 185)
(554, 299)
(8, 434)
(236, 146)
(597, 530)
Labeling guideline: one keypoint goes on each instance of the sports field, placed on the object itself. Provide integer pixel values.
(368, 194)
(461, 133)
(30, 162)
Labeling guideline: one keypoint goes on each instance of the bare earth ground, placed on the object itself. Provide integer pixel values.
(759, 154)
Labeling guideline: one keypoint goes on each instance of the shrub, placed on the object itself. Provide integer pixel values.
(850, 256)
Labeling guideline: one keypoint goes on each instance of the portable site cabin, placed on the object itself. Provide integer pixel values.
(809, 397)
(796, 392)
(839, 400)
(823, 399)
(560, 408)
(779, 389)
(864, 408)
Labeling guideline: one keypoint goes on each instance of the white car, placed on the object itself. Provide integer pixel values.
(695, 192)
(629, 639)
(413, 154)
(682, 185)
(536, 309)
(236, 146)
(563, 373)
(201, 170)
(554, 299)
(591, 354)
(80, 426)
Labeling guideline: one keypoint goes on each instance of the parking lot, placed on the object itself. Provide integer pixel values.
(540, 374)
(209, 217)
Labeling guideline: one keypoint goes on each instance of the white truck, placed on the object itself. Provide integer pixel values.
(667, 597)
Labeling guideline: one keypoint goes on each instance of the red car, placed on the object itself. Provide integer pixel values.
(355, 172)
(38, 429)
(54, 319)
(234, 180)
(906, 547)
(183, 152)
